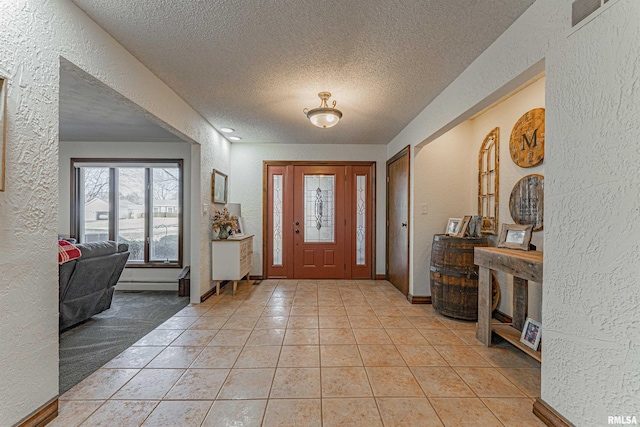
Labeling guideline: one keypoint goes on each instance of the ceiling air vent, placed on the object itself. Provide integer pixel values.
(580, 9)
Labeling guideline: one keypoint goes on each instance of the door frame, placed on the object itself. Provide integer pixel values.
(265, 197)
(405, 151)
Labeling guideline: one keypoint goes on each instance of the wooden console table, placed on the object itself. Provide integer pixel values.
(523, 266)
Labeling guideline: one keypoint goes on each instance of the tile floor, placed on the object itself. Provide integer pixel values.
(309, 353)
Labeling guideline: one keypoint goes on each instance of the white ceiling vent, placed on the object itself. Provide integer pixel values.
(583, 11)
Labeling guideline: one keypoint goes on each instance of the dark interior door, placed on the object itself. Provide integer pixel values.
(398, 220)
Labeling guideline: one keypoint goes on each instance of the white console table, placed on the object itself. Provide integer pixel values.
(231, 259)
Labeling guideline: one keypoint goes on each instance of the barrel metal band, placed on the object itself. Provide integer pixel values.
(452, 249)
(444, 272)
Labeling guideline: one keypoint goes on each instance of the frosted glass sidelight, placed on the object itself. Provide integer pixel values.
(277, 219)
(319, 208)
(361, 215)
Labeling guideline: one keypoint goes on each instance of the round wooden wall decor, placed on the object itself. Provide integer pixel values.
(526, 144)
(526, 203)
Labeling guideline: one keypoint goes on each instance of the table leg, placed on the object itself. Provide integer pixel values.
(520, 302)
(484, 306)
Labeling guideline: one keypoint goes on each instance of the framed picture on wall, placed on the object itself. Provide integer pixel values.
(219, 187)
(531, 333)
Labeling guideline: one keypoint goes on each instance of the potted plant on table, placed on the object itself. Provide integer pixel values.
(223, 222)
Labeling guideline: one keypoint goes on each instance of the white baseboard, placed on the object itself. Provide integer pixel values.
(141, 286)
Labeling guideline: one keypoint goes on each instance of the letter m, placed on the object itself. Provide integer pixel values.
(532, 143)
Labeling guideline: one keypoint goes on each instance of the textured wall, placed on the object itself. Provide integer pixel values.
(591, 291)
(245, 183)
(504, 115)
(513, 59)
(443, 171)
(446, 181)
(138, 150)
(592, 252)
(34, 35)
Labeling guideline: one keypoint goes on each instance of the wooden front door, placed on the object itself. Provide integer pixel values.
(320, 220)
(398, 220)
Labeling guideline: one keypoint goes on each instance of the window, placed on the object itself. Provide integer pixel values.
(132, 201)
(488, 180)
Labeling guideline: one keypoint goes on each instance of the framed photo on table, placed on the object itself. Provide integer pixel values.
(531, 334)
(514, 236)
(464, 226)
(219, 187)
(453, 226)
(241, 231)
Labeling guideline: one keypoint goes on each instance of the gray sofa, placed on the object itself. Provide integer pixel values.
(87, 283)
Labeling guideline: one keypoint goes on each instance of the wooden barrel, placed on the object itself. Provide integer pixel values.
(454, 276)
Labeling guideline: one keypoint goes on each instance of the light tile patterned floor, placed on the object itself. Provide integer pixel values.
(309, 353)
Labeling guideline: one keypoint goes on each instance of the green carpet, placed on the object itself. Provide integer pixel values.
(87, 347)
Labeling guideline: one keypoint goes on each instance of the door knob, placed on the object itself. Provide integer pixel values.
(297, 231)
(297, 223)
(404, 224)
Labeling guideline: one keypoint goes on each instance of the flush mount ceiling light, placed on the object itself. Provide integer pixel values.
(324, 116)
(235, 138)
(226, 130)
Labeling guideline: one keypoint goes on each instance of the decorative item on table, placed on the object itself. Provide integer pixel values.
(223, 222)
(526, 144)
(235, 209)
(464, 227)
(240, 231)
(453, 226)
(514, 236)
(531, 333)
(475, 226)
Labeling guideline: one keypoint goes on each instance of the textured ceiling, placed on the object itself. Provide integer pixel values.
(90, 111)
(254, 65)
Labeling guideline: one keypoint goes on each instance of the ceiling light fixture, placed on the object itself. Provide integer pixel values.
(235, 138)
(324, 116)
(226, 130)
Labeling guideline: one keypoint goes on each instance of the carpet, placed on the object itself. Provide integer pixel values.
(87, 347)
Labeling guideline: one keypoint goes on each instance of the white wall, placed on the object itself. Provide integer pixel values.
(446, 182)
(245, 183)
(442, 174)
(132, 278)
(34, 35)
(505, 115)
(591, 284)
(592, 239)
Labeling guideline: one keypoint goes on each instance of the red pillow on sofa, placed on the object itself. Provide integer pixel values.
(67, 251)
